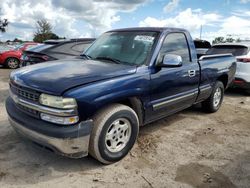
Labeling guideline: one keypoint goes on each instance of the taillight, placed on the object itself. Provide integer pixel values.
(244, 60)
(238, 81)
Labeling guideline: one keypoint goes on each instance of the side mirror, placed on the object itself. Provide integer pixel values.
(171, 60)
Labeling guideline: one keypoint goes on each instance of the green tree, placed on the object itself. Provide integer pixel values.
(43, 27)
(17, 40)
(218, 40)
(230, 39)
(3, 24)
(44, 31)
(54, 36)
(238, 40)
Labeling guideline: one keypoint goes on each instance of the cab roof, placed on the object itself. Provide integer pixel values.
(154, 29)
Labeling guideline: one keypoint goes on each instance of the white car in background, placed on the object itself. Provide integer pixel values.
(242, 53)
(202, 46)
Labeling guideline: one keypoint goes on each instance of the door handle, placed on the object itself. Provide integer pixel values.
(191, 73)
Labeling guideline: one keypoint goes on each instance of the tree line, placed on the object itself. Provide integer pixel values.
(228, 39)
(43, 31)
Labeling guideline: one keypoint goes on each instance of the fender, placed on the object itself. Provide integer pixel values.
(126, 89)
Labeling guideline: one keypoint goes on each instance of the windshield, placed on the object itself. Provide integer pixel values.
(19, 46)
(131, 48)
(39, 48)
(5, 48)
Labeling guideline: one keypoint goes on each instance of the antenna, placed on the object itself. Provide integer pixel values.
(200, 31)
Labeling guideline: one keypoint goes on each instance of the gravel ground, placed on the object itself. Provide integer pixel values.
(188, 149)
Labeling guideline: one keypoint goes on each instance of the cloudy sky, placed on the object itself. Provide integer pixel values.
(89, 18)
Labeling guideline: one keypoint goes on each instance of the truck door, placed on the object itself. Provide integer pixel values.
(174, 88)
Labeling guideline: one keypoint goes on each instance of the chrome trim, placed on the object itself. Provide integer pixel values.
(20, 90)
(167, 102)
(71, 147)
(205, 88)
(211, 56)
(44, 109)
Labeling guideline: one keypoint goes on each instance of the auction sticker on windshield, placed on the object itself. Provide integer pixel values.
(144, 38)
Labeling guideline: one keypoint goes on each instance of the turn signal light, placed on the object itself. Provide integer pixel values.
(59, 120)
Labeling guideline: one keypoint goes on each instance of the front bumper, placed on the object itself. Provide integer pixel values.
(71, 141)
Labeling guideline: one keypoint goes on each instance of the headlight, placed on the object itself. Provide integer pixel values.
(57, 102)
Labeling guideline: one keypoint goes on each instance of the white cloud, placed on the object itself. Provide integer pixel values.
(244, 1)
(236, 26)
(173, 4)
(188, 19)
(241, 14)
(95, 15)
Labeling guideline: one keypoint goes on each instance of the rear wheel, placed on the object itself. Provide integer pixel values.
(12, 63)
(248, 92)
(114, 133)
(213, 103)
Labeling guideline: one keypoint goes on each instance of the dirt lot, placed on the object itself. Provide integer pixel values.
(189, 149)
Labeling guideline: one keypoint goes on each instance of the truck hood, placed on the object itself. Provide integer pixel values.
(55, 77)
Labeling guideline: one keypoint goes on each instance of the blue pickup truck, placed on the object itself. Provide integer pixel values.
(128, 78)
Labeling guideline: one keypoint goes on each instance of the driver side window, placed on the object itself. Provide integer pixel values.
(175, 43)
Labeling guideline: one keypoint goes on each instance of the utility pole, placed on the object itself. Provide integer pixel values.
(200, 32)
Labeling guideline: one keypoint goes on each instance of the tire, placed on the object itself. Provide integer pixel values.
(12, 63)
(248, 92)
(213, 103)
(110, 141)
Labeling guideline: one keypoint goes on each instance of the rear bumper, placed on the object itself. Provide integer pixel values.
(243, 71)
(71, 141)
(240, 83)
(27, 63)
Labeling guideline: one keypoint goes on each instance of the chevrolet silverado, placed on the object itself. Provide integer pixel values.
(126, 79)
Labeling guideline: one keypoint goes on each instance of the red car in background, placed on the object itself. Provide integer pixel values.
(11, 58)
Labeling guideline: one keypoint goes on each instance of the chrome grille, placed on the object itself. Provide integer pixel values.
(25, 93)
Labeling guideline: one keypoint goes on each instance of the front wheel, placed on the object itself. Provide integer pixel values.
(114, 133)
(213, 103)
(12, 63)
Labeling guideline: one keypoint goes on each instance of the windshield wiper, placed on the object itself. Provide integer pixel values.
(85, 55)
(117, 61)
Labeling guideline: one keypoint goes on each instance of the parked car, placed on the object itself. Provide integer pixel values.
(11, 58)
(202, 46)
(242, 53)
(54, 50)
(127, 78)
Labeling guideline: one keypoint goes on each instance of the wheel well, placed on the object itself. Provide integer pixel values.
(224, 80)
(13, 58)
(136, 105)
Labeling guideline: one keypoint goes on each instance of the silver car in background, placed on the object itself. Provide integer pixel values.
(242, 53)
